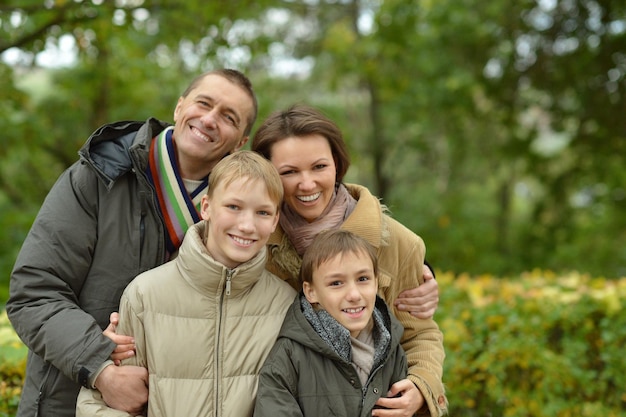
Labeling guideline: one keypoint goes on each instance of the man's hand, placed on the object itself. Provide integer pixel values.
(403, 399)
(421, 302)
(125, 344)
(124, 388)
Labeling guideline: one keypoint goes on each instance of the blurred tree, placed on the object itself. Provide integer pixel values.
(508, 120)
(495, 131)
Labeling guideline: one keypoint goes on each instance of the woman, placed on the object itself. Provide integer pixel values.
(311, 157)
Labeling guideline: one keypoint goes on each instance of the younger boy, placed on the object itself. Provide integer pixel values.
(339, 348)
(204, 322)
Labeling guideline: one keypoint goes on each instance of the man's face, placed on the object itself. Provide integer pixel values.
(209, 124)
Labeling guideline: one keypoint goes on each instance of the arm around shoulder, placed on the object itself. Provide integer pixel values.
(422, 339)
(50, 272)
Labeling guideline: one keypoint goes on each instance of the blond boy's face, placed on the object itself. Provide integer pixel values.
(345, 286)
(242, 216)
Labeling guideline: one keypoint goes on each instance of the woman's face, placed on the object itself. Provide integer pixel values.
(307, 170)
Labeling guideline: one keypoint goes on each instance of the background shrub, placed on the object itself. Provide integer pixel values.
(12, 367)
(536, 345)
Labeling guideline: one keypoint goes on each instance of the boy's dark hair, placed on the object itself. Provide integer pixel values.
(330, 243)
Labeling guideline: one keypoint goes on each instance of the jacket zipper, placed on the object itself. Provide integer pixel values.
(142, 223)
(367, 383)
(42, 388)
(229, 275)
(146, 202)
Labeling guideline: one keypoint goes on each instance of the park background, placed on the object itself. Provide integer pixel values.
(495, 130)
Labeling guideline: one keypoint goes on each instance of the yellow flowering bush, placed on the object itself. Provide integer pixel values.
(536, 345)
(12, 367)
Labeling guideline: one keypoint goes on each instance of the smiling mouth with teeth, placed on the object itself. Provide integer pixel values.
(201, 135)
(353, 310)
(241, 241)
(307, 198)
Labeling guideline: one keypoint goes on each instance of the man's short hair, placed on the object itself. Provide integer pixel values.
(236, 78)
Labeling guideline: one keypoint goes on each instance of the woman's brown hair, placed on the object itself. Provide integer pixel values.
(298, 121)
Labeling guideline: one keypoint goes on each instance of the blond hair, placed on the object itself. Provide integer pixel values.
(249, 165)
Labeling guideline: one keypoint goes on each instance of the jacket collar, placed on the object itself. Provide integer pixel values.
(367, 218)
(297, 328)
(207, 275)
(116, 148)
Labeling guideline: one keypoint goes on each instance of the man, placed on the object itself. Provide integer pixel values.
(120, 210)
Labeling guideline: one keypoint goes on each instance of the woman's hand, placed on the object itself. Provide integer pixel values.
(421, 302)
(125, 344)
(403, 399)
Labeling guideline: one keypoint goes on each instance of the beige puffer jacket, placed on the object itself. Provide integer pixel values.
(203, 347)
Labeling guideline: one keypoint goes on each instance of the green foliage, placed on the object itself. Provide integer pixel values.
(535, 345)
(470, 164)
(494, 131)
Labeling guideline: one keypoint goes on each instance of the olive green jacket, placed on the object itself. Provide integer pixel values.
(304, 376)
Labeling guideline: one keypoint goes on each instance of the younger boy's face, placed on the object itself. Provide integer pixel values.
(242, 216)
(345, 286)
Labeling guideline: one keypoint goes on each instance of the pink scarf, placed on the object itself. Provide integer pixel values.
(301, 233)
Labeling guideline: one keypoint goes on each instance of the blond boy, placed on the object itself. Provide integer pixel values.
(204, 322)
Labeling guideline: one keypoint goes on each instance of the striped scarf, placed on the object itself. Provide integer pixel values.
(180, 209)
